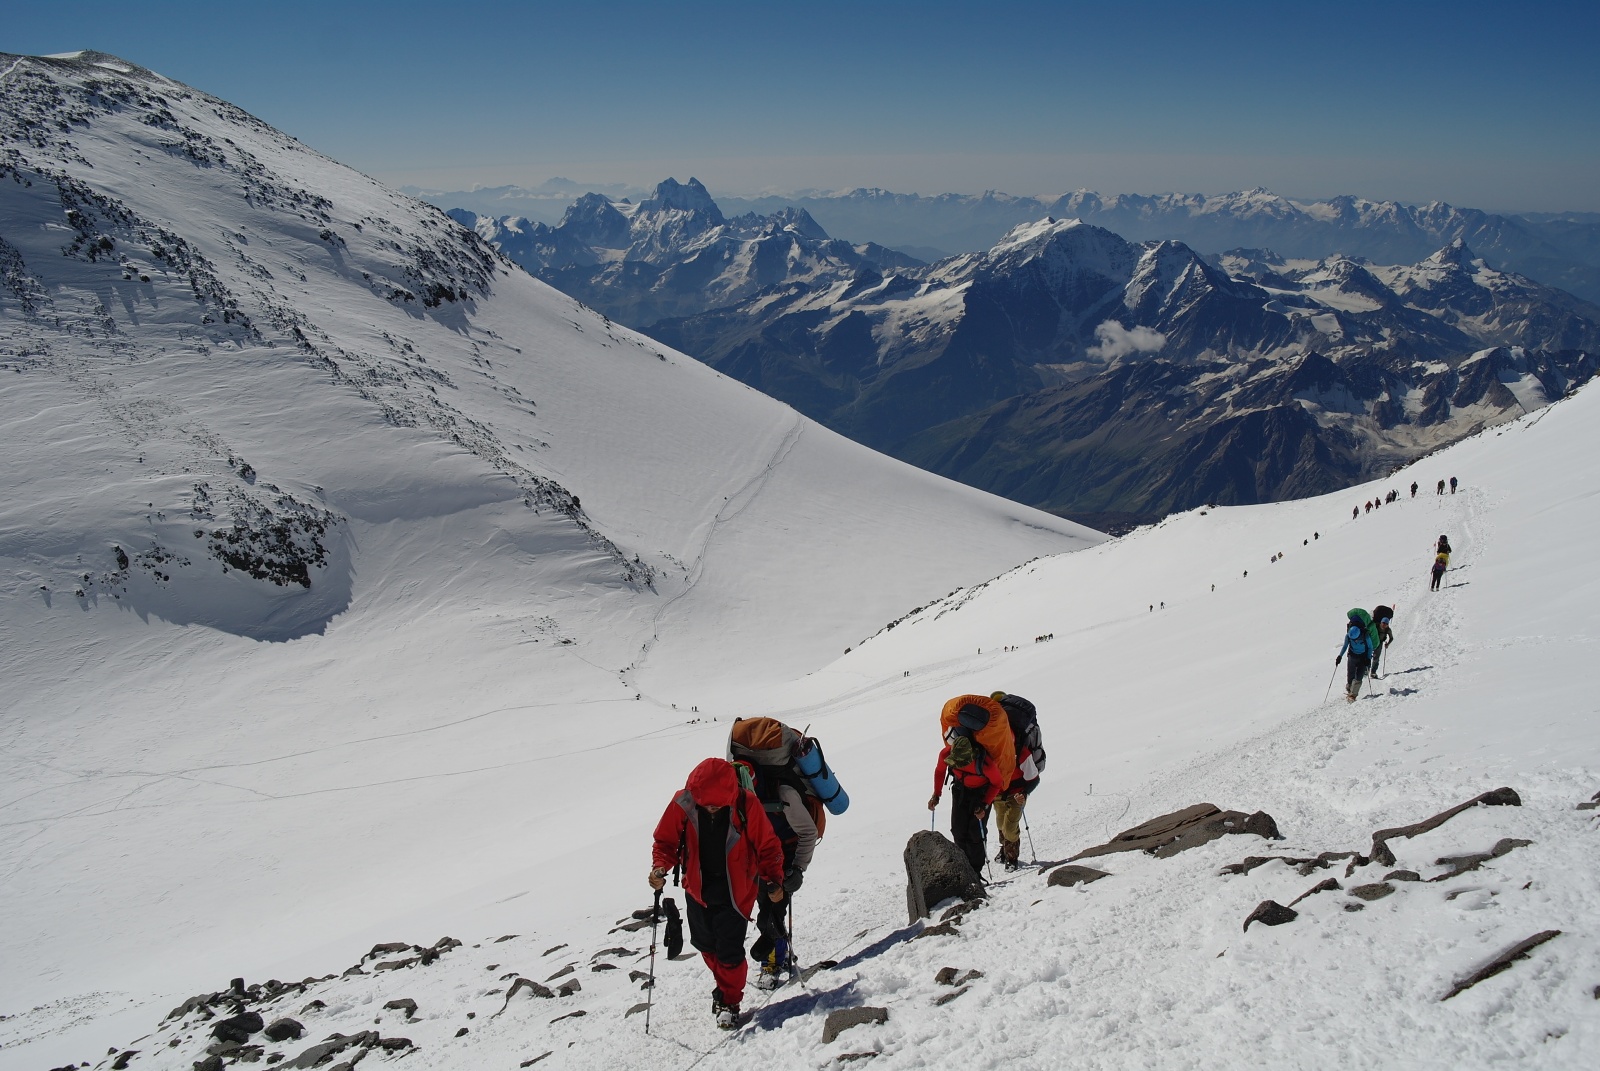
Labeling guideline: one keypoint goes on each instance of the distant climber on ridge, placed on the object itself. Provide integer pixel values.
(721, 881)
(979, 760)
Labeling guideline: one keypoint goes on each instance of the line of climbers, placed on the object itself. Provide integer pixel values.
(741, 834)
(1367, 635)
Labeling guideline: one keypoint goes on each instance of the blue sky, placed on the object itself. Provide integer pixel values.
(1490, 105)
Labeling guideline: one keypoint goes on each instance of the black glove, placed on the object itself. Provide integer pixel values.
(792, 880)
(1337, 659)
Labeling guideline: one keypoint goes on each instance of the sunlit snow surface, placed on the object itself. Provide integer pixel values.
(183, 803)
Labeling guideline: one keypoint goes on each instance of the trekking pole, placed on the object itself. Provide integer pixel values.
(650, 996)
(983, 827)
(1031, 849)
(1330, 682)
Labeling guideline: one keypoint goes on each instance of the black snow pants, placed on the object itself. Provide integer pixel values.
(1355, 671)
(966, 829)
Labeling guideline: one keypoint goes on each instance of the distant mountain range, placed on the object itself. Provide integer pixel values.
(1070, 367)
(674, 253)
(1561, 249)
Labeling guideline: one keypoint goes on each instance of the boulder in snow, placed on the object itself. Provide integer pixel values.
(1376, 890)
(1271, 913)
(936, 870)
(238, 1027)
(286, 1029)
(1068, 876)
(1501, 960)
(843, 1019)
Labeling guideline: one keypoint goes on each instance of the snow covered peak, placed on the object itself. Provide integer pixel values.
(692, 196)
(1457, 255)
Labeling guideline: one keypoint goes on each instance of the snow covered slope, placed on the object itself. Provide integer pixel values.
(322, 526)
(184, 805)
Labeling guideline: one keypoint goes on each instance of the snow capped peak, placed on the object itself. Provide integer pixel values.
(1457, 254)
(689, 196)
(798, 220)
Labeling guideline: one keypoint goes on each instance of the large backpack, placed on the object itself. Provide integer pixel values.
(983, 721)
(769, 748)
(1025, 735)
(1368, 639)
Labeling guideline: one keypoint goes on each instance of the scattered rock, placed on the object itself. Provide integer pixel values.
(603, 967)
(845, 1018)
(848, 1057)
(192, 1004)
(508, 937)
(323, 1050)
(635, 1009)
(1402, 875)
(404, 1004)
(394, 1044)
(638, 976)
(936, 870)
(946, 976)
(825, 965)
(956, 912)
(1377, 890)
(944, 929)
(566, 989)
(388, 949)
(1502, 960)
(580, 1013)
(1461, 864)
(546, 952)
(287, 1029)
(1324, 885)
(562, 973)
(1351, 905)
(1271, 913)
(238, 1027)
(941, 1001)
(536, 1059)
(210, 1063)
(531, 986)
(396, 964)
(352, 971)
(315, 1005)
(121, 1062)
(612, 952)
(1500, 797)
(1191, 827)
(1070, 875)
(462, 1032)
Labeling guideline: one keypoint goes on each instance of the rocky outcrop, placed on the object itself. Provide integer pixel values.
(1068, 876)
(1380, 853)
(1170, 834)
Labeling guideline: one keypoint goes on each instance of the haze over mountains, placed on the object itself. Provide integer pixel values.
(1071, 368)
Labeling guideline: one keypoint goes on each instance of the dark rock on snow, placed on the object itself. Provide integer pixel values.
(237, 1027)
(845, 1018)
(287, 1029)
(1068, 876)
(1461, 864)
(1502, 960)
(936, 870)
(1500, 797)
(1402, 875)
(1325, 885)
(1271, 913)
(405, 1004)
(941, 1001)
(568, 988)
(1170, 834)
(210, 1063)
(1375, 891)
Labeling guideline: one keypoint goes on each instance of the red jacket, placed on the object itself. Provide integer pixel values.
(752, 850)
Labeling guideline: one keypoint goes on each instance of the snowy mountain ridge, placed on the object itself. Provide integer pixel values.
(674, 253)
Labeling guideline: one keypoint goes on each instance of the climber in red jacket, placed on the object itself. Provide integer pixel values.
(722, 885)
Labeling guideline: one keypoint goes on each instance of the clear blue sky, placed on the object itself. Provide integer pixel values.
(1491, 105)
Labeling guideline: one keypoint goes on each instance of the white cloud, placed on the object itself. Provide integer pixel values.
(1113, 340)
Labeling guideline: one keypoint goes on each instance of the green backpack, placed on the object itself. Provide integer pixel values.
(1374, 641)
